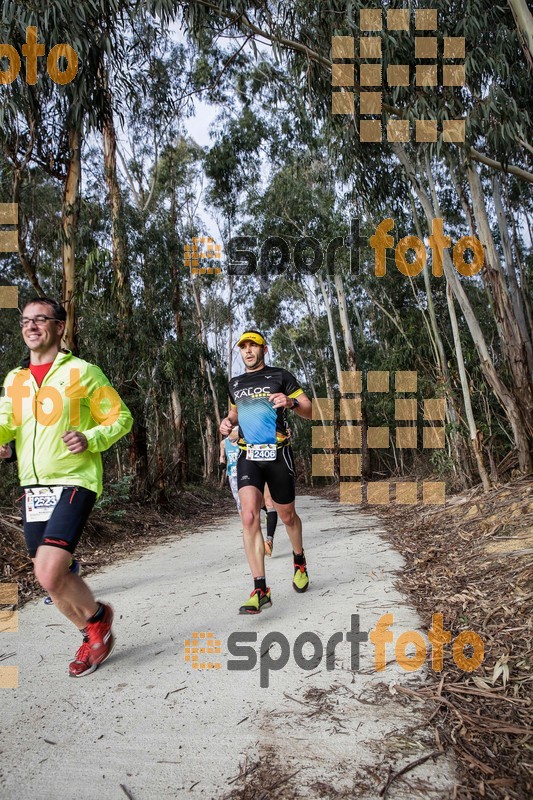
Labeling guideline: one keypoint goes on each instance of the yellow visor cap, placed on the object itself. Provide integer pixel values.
(251, 336)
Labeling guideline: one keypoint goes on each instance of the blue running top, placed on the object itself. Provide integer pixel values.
(259, 422)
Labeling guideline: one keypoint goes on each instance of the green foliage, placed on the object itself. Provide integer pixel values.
(116, 497)
(233, 162)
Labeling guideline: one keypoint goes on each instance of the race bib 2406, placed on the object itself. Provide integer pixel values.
(261, 452)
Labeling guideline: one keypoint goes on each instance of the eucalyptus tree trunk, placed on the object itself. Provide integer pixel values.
(230, 327)
(203, 338)
(231, 281)
(360, 326)
(125, 308)
(526, 215)
(138, 449)
(461, 457)
(157, 462)
(308, 378)
(504, 396)
(516, 294)
(352, 365)
(524, 23)
(203, 440)
(118, 227)
(179, 422)
(474, 433)
(440, 353)
(211, 450)
(465, 205)
(312, 316)
(181, 453)
(20, 168)
(69, 223)
(526, 300)
(331, 327)
(345, 322)
(514, 346)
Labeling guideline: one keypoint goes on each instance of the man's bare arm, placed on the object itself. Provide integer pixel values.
(229, 422)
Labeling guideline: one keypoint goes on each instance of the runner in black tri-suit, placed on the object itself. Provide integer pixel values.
(260, 398)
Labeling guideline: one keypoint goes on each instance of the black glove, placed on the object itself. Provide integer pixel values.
(221, 466)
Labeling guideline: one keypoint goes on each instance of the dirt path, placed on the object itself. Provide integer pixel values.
(149, 722)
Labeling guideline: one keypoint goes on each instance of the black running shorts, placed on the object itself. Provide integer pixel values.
(65, 526)
(279, 475)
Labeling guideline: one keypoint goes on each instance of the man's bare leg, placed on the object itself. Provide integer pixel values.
(293, 524)
(69, 592)
(254, 548)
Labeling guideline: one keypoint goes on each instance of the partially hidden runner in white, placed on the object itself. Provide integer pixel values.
(259, 399)
(229, 453)
(62, 413)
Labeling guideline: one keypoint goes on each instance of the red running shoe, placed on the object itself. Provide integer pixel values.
(81, 665)
(100, 637)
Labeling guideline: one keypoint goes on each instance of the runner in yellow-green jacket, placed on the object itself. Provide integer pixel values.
(62, 413)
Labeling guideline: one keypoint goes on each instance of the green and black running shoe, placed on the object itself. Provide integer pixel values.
(257, 602)
(300, 582)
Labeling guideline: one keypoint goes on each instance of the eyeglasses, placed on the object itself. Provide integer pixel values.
(39, 320)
